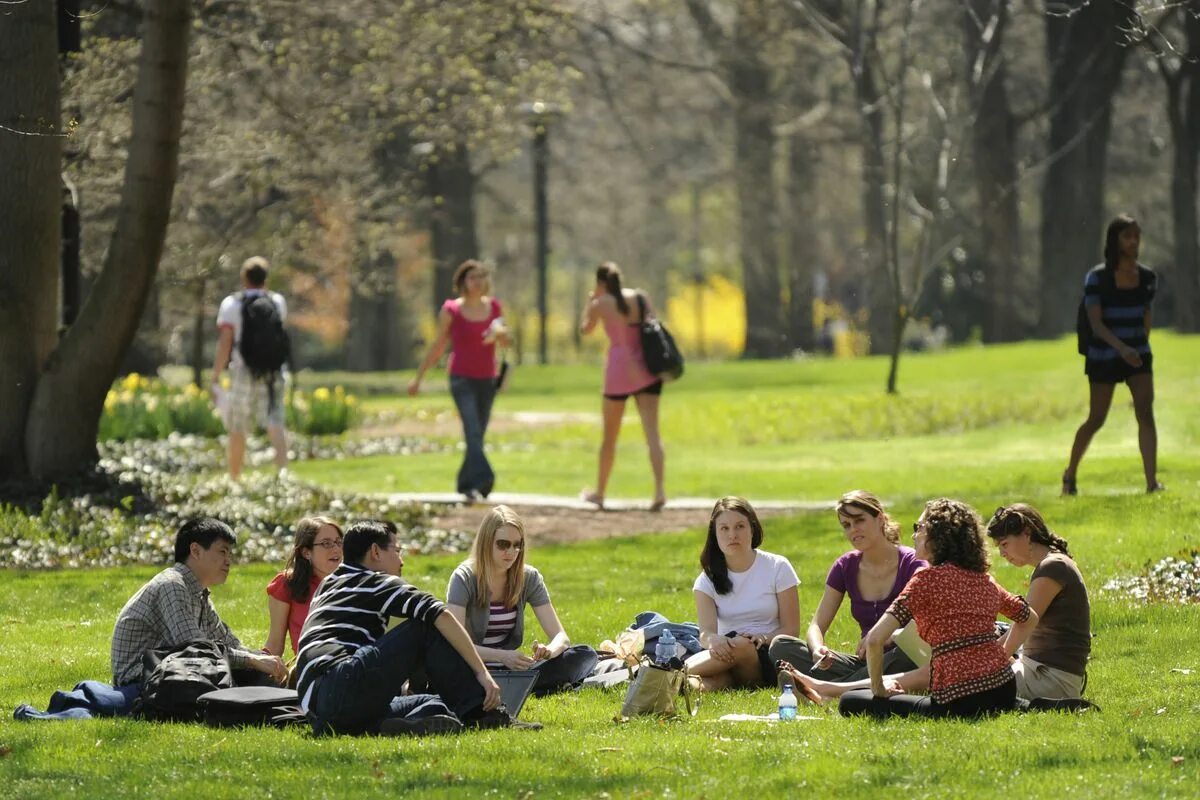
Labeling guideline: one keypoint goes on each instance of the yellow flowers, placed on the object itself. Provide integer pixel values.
(323, 412)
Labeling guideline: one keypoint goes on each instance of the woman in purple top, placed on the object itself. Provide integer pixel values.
(872, 574)
(625, 375)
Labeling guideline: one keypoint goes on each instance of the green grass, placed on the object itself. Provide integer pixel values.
(975, 419)
(55, 627)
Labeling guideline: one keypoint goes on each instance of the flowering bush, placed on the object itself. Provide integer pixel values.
(138, 407)
(323, 412)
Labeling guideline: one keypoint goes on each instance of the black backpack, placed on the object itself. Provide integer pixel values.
(252, 705)
(264, 345)
(659, 350)
(174, 678)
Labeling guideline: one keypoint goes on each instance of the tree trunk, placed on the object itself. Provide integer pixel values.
(1183, 110)
(30, 208)
(749, 80)
(452, 187)
(803, 254)
(375, 341)
(61, 431)
(994, 140)
(1086, 49)
(880, 298)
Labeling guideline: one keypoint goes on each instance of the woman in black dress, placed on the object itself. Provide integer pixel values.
(1118, 295)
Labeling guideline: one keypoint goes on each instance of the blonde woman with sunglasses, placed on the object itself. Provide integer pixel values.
(488, 594)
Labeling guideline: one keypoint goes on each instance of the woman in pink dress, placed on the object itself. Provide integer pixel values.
(625, 375)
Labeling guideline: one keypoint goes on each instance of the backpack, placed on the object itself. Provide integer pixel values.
(659, 350)
(264, 345)
(252, 705)
(174, 678)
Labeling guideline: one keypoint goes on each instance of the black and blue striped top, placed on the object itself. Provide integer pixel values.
(350, 610)
(1123, 311)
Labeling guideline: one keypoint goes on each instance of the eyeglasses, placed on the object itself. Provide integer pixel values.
(504, 545)
(329, 544)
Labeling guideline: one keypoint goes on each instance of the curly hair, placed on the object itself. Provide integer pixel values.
(954, 535)
(1018, 518)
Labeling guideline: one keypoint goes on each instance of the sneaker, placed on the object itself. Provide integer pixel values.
(425, 726)
(500, 718)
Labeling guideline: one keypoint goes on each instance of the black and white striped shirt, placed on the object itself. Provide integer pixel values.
(350, 610)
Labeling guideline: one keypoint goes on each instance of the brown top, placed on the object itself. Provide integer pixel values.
(1063, 637)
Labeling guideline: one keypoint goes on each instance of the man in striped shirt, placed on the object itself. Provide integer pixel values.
(351, 672)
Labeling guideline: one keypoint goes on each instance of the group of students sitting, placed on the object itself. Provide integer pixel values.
(927, 613)
(433, 672)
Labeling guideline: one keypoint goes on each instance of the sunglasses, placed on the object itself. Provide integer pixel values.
(919, 527)
(504, 545)
(1008, 522)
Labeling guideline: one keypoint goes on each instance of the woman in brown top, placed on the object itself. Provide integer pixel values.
(1053, 661)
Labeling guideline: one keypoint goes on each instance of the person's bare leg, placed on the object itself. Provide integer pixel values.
(278, 437)
(611, 412)
(1099, 400)
(913, 682)
(717, 673)
(1141, 387)
(647, 405)
(237, 454)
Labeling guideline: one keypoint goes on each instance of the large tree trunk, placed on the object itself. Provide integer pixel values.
(754, 153)
(1086, 50)
(452, 186)
(375, 341)
(803, 242)
(1183, 109)
(61, 431)
(994, 140)
(881, 301)
(30, 203)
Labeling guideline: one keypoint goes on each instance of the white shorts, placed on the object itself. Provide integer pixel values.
(249, 401)
(1035, 679)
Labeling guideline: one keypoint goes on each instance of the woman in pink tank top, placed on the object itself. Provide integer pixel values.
(472, 325)
(625, 375)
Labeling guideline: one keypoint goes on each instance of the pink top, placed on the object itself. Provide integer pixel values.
(469, 356)
(297, 612)
(625, 372)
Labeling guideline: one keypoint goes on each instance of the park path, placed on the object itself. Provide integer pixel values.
(556, 518)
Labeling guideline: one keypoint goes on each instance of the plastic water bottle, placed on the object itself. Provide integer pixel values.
(787, 704)
(664, 651)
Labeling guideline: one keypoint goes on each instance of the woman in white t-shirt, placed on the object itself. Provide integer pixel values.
(745, 597)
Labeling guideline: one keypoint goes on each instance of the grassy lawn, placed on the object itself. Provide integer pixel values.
(56, 626)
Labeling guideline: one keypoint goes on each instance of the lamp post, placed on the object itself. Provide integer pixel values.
(540, 115)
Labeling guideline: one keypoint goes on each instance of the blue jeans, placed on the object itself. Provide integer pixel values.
(566, 670)
(474, 397)
(358, 693)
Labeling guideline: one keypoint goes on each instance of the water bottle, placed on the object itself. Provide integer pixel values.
(787, 704)
(664, 651)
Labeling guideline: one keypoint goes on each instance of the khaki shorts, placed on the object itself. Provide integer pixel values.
(249, 402)
(1035, 679)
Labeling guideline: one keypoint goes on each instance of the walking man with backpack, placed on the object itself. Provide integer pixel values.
(254, 344)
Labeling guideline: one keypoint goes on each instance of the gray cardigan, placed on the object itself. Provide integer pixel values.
(463, 590)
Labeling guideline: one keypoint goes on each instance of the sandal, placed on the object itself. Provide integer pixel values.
(658, 504)
(593, 498)
(1069, 487)
(1157, 487)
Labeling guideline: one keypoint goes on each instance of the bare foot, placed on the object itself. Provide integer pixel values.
(592, 497)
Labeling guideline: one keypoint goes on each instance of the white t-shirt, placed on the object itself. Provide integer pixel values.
(751, 606)
(230, 315)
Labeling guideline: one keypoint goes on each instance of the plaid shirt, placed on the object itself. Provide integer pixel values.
(171, 609)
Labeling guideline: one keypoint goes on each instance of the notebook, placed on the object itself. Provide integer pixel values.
(515, 686)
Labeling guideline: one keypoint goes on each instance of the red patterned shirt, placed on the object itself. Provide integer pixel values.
(955, 610)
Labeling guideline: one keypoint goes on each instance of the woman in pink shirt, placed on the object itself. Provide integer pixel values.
(472, 325)
(625, 375)
(317, 552)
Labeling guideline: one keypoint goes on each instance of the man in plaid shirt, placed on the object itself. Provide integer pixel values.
(174, 607)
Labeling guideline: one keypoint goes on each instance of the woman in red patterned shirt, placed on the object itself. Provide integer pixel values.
(954, 603)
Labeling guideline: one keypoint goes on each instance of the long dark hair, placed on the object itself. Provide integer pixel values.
(299, 570)
(1112, 239)
(954, 535)
(1014, 519)
(712, 560)
(609, 274)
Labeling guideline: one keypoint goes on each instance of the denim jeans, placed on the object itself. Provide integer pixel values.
(358, 693)
(474, 397)
(566, 670)
(973, 706)
(843, 666)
